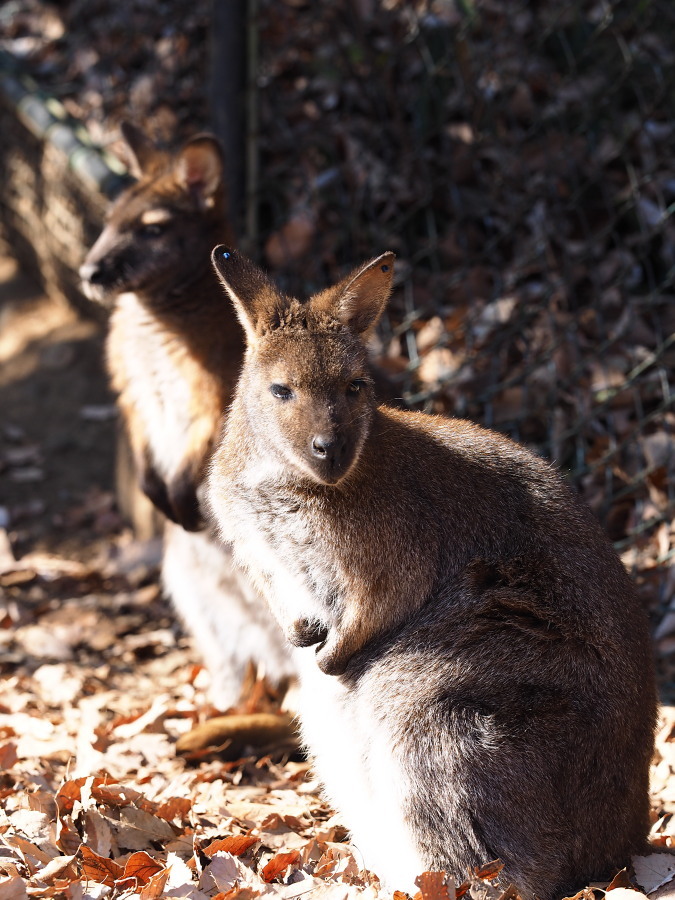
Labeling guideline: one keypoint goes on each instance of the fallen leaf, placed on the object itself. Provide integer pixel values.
(620, 880)
(620, 893)
(435, 886)
(59, 867)
(236, 844)
(174, 808)
(240, 893)
(8, 755)
(31, 853)
(278, 865)
(652, 871)
(71, 791)
(179, 873)
(276, 822)
(100, 868)
(489, 870)
(338, 861)
(225, 871)
(13, 888)
(67, 837)
(97, 833)
(142, 867)
(155, 886)
(115, 794)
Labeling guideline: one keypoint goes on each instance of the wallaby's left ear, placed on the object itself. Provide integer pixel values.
(256, 299)
(199, 168)
(359, 300)
(143, 156)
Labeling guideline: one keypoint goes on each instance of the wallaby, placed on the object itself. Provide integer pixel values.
(483, 683)
(174, 351)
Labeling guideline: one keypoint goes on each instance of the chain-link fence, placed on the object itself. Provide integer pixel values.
(517, 157)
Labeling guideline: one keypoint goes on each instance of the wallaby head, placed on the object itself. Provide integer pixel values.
(159, 232)
(306, 379)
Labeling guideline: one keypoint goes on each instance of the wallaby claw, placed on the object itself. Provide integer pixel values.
(154, 488)
(186, 505)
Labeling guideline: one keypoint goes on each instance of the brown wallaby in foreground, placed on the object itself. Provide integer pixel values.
(174, 352)
(482, 685)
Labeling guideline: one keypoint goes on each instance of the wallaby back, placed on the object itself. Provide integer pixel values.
(174, 351)
(483, 683)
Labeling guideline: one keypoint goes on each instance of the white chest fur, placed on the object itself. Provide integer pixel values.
(356, 759)
(154, 385)
(287, 592)
(355, 754)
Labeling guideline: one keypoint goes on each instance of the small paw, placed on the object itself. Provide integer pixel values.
(183, 497)
(154, 488)
(307, 632)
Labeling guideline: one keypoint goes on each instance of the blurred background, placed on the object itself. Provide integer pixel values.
(517, 156)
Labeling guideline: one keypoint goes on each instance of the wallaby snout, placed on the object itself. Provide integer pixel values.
(319, 426)
(101, 271)
(91, 273)
(331, 457)
(328, 447)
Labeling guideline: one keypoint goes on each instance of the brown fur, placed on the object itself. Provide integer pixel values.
(155, 245)
(174, 351)
(491, 654)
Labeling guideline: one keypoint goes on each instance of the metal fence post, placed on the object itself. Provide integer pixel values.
(227, 77)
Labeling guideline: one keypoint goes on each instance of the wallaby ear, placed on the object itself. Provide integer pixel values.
(256, 299)
(359, 299)
(142, 151)
(199, 168)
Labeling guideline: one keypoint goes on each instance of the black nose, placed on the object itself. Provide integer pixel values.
(322, 445)
(328, 447)
(92, 273)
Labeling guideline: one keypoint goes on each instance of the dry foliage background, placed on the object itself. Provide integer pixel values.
(517, 156)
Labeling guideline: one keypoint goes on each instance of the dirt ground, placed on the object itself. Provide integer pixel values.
(57, 425)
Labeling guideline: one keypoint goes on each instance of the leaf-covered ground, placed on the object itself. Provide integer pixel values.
(97, 686)
(529, 199)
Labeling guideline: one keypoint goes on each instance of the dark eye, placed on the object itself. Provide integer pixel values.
(281, 392)
(356, 386)
(153, 230)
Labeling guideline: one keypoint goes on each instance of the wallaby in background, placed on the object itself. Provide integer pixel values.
(174, 352)
(483, 683)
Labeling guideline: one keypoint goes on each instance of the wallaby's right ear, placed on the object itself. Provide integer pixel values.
(256, 300)
(142, 151)
(199, 168)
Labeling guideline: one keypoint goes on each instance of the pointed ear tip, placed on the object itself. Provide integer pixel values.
(220, 254)
(386, 261)
(205, 144)
(204, 137)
